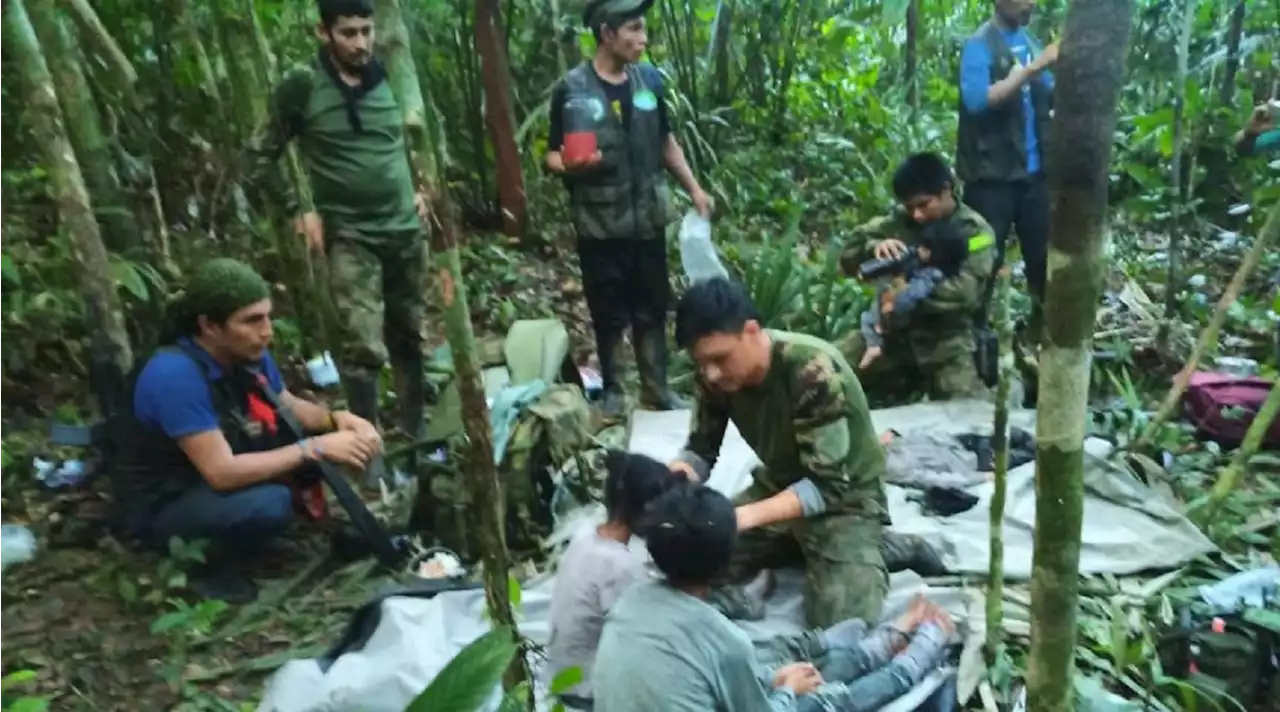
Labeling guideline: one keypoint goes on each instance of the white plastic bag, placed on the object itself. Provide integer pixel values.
(698, 255)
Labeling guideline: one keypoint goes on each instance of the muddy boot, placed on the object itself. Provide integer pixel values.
(651, 361)
(362, 399)
(908, 551)
(613, 398)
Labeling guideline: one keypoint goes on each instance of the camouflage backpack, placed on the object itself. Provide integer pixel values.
(547, 435)
(1237, 658)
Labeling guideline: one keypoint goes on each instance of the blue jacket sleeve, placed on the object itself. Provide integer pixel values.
(917, 290)
(975, 75)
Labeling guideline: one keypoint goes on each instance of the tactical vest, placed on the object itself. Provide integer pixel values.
(151, 470)
(626, 196)
(992, 145)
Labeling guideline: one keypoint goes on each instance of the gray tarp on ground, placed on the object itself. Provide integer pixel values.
(1127, 528)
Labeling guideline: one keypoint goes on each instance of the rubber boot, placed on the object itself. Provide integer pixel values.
(651, 361)
(362, 399)
(411, 397)
(613, 399)
(908, 551)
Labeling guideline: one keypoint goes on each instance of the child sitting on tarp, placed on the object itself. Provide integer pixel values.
(598, 566)
(665, 648)
(940, 255)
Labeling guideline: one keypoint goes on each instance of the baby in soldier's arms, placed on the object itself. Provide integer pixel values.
(941, 253)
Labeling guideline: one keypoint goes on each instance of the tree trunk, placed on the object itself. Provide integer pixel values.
(244, 82)
(720, 54)
(84, 128)
(1000, 444)
(482, 475)
(1089, 76)
(189, 30)
(91, 28)
(1234, 34)
(909, 65)
(109, 341)
(1178, 179)
(496, 76)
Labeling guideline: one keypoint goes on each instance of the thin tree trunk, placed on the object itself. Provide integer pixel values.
(190, 38)
(1000, 444)
(91, 28)
(244, 81)
(109, 341)
(496, 76)
(1090, 75)
(1270, 233)
(1175, 165)
(909, 65)
(482, 476)
(720, 53)
(1234, 34)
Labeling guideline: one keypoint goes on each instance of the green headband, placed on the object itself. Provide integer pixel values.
(221, 287)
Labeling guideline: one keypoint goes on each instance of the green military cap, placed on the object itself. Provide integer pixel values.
(599, 12)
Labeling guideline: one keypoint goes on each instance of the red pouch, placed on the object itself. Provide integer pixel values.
(1222, 406)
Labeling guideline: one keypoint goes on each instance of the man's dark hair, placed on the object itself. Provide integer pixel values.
(332, 10)
(691, 534)
(948, 249)
(922, 174)
(632, 483)
(713, 306)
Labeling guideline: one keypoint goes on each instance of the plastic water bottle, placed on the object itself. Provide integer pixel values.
(698, 254)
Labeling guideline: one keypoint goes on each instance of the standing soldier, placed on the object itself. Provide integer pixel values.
(367, 216)
(1006, 99)
(620, 202)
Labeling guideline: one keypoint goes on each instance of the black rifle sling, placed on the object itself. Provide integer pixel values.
(363, 520)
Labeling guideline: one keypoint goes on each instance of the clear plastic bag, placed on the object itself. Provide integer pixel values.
(698, 254)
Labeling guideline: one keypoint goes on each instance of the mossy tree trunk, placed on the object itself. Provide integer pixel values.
(84, 128)
(1003, 325)
(427, 152)
(109, 341)
(1089, 77)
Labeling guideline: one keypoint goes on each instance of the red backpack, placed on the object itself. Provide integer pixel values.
(1223, 406)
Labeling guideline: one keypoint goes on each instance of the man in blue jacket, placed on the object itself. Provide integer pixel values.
(1006, 101)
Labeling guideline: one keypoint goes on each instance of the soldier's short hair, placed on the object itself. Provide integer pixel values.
(632, 483)
(331, 10)
(713, 306)
(691, 533)
(922, 174)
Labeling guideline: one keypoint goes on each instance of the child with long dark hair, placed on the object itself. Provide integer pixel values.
(599, 564)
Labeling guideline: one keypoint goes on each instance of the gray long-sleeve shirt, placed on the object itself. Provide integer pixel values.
(663, 649)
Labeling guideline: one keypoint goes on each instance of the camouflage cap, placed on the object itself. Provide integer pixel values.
(598, 12)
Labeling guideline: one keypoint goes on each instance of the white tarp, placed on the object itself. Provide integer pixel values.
(1127, 528)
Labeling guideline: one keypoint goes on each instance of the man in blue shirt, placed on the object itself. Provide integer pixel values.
(204, 453)
(1006, 100)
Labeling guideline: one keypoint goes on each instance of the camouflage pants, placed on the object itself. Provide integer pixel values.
(378, 292)
(895, 377)
(855, 680)
(845, 575)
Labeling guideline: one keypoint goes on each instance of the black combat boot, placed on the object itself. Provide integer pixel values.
(613, 400)
(651, 361)
(908, 551)
(362, 399)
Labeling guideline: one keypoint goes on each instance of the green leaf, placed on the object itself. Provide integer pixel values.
(514, 592)
(29, 704)
(168, 622)
(470, 678)
(9, 270)
(17, 677)
(127, 276)
(565, 680)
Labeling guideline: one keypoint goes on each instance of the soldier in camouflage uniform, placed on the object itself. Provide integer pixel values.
(620, 204)
(818, 499)
(935, 345)
(367, 216)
